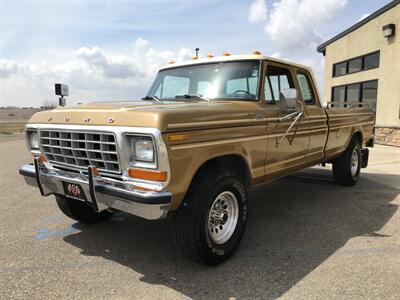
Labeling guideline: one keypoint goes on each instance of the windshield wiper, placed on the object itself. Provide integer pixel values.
(192, 96)
(151, 98)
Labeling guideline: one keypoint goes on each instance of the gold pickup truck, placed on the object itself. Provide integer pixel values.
(207, 130)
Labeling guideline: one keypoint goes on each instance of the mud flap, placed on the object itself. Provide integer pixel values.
(364, 157)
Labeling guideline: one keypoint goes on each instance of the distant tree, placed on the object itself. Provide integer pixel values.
(48, 104)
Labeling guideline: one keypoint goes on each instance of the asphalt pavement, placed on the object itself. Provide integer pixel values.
(307, 238)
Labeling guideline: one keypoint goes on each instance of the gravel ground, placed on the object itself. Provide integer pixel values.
(307, 238)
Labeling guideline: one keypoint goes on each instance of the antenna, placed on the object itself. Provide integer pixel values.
(197, 52)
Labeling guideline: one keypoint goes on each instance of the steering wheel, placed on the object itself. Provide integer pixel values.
(241, 91)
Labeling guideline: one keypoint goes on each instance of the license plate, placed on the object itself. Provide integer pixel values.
(74, 191)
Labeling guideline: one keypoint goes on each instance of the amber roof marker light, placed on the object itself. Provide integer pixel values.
(257, 52)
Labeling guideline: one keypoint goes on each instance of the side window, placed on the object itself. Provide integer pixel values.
(174, 85)
(277, 78)
(306, 89)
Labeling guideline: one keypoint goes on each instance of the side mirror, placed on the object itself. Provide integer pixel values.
(288, 101)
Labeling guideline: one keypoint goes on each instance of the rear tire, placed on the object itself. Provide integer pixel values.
(211, 220)
(346, 168)
(80, 211)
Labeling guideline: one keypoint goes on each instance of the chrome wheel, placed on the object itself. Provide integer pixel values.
(354, 162)
(223, 217)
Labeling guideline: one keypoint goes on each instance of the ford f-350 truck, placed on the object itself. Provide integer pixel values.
(207, 130)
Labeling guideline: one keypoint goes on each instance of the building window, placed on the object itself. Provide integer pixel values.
(340, 69)
(339, 94)
(356, 64)
(370, 93)
(353, 92)
(357, 92)
(371, 61)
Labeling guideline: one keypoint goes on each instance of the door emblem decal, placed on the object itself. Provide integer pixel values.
(110, 120)
(86, 120)
(66, 119)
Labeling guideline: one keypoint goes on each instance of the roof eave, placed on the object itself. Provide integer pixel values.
(321, 48)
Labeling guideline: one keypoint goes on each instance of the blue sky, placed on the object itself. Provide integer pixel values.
(110, 50)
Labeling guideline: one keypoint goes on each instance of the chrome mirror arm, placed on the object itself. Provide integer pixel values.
(297, 121)
(289, 116)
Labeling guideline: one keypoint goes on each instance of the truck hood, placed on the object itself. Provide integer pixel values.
(166, 116)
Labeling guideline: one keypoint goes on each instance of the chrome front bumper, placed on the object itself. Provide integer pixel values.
(101, 193)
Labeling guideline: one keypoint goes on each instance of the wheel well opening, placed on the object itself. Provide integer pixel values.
(358, 136)
(234, 163)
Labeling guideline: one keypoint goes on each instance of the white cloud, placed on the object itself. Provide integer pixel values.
(8, 67)
(92, 73)
(293, 23)
(291, 27)
(111, 66)
(276, 54)
(363, 17)
(258, 11)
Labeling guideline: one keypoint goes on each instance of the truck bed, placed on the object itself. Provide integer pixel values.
(342, 123)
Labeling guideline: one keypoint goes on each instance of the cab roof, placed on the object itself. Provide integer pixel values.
(227, 58)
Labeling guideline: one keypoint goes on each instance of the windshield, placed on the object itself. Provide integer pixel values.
(226, 80)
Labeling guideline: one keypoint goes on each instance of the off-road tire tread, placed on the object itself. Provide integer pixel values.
(341, 165)
(186, 233)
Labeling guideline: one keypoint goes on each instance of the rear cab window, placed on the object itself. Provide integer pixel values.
(306, 87)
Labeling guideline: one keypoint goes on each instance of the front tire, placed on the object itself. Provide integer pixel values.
(80, 211)
(212, 218)
(347, 167)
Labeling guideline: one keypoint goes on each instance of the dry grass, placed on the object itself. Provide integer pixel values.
(11, 128)
(13, 120)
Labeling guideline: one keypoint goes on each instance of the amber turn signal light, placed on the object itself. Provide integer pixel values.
(147, 175)
(43, 158)
(95, 171)
(177, 137)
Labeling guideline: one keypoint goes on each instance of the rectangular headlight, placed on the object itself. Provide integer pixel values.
(33, 140)
(140, 151)
(144, 150)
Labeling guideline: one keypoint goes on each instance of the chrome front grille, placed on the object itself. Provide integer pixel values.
(79, 149)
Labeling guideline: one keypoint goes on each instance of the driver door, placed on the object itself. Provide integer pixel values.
(287, 155)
